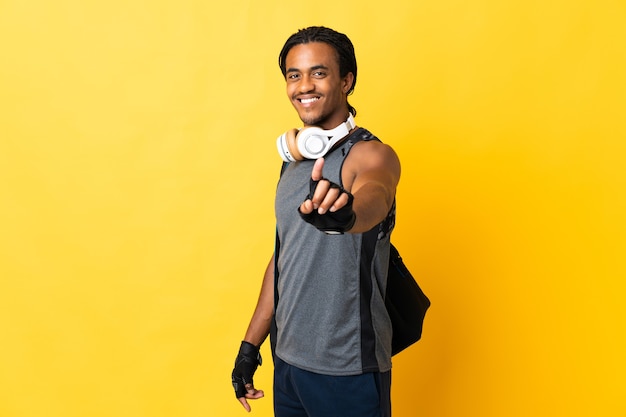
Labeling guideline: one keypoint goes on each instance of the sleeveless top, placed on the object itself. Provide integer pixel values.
(330, 314)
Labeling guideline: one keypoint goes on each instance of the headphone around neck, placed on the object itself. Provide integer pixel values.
(311, 142)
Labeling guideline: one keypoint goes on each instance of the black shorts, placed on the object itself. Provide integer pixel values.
(300, 393)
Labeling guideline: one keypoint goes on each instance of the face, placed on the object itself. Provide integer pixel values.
(314, 86)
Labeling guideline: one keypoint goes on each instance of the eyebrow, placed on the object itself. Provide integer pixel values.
(313, 68)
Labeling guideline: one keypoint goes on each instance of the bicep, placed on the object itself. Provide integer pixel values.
(376, 172)
(375, 165)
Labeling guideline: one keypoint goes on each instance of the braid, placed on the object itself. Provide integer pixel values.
(340, 42)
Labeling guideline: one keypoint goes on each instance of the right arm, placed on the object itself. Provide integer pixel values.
(261, 320)
(257, 332)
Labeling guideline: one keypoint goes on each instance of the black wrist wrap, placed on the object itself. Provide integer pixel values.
(248, 359)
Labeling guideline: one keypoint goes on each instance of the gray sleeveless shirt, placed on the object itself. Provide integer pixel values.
(330, 314)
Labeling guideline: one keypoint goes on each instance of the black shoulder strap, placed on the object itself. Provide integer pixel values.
(283, 168)
(276, 251)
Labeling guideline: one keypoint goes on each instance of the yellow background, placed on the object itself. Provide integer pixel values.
(137, 170)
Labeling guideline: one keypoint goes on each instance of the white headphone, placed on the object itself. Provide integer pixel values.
(311, 142)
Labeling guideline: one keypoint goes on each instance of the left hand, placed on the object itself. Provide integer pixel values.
(328, 206)
(326, 197)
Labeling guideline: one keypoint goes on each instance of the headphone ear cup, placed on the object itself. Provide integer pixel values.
(291, 137)
(312, 142)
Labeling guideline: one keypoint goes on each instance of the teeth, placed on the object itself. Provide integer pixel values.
(308, 100)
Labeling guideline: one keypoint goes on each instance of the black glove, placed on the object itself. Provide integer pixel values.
(337, 222)
(248, 359)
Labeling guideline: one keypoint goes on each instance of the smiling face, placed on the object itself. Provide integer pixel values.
(314, 85)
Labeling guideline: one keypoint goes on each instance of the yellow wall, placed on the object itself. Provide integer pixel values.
(137, 168)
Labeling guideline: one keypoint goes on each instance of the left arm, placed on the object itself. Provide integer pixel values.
(376, 173)
(371, 173)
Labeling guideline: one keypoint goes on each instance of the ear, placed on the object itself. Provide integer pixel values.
(347, 82)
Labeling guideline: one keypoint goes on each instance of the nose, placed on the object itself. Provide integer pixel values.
(306, 84)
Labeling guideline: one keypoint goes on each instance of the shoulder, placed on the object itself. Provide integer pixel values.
(371, 151)
(371, 155)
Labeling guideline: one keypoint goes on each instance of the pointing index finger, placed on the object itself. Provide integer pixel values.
(316, 173)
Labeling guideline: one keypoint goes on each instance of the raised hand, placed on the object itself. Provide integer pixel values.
(328, 206)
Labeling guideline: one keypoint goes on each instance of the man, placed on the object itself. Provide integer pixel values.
(323, 290)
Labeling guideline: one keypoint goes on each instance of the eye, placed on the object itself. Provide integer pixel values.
(293, 76)
(319, 74)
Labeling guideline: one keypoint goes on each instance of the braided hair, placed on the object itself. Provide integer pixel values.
(340, 42)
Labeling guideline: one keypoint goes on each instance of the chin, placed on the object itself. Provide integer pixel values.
(311, 119)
